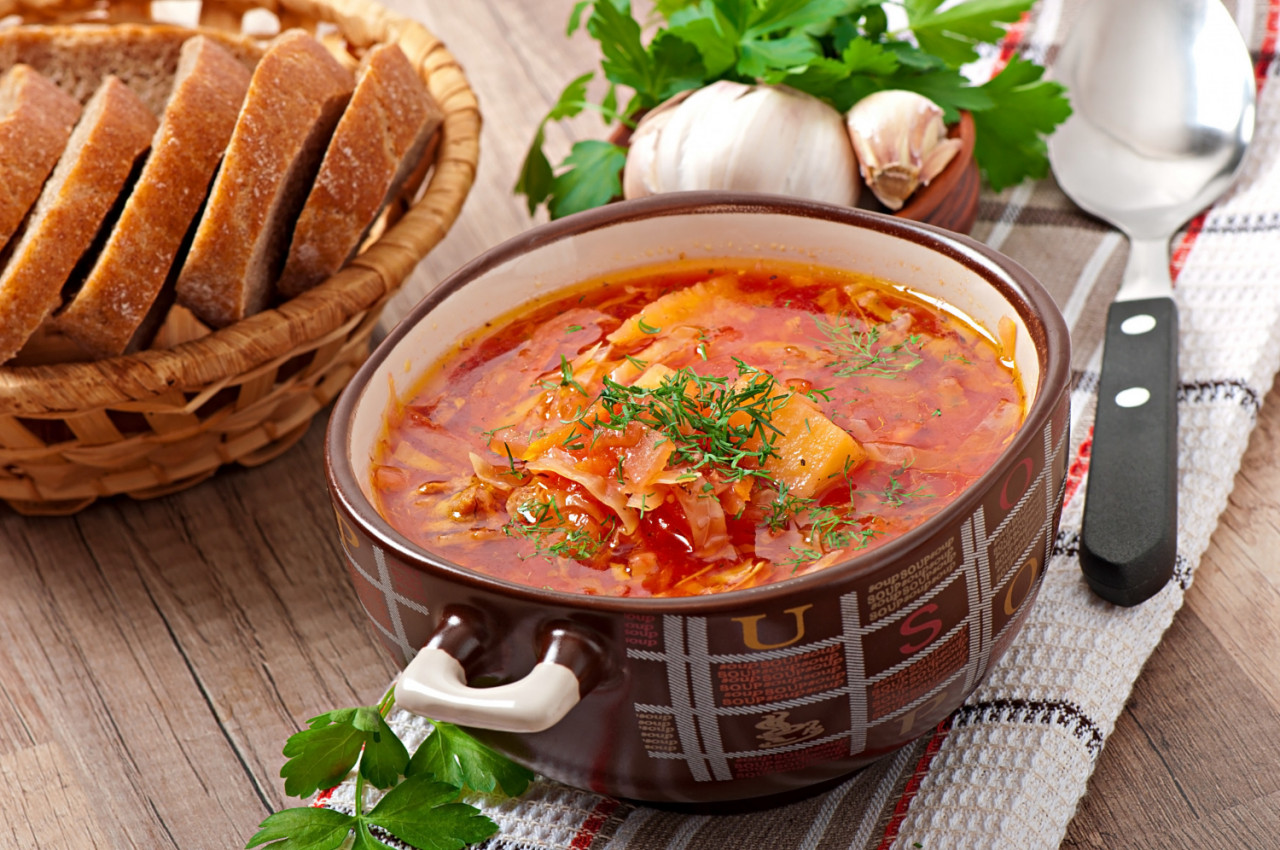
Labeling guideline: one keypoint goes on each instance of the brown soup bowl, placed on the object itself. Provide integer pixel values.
(747, 693)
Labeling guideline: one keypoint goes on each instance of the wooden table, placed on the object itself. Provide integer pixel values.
(154, 656)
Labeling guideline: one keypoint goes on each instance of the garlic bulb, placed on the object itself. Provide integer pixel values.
(744, 138)
(901, 143)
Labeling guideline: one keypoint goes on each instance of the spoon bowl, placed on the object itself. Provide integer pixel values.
(1163, 96)
(1164, 99)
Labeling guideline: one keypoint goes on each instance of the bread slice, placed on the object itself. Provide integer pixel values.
(114, 130)
(36, 120)
(376, 145)
(76, 57)
(296, 96)
(109, 310)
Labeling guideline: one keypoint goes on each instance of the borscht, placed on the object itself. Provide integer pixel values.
(693, 428)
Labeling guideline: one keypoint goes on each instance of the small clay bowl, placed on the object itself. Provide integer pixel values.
(743, 694)
(951, 199)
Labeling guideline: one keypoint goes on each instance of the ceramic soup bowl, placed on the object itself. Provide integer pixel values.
(746, 693)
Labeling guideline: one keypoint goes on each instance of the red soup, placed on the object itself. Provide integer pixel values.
(686, 429)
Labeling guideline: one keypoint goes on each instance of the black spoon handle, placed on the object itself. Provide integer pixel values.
(1129, 534)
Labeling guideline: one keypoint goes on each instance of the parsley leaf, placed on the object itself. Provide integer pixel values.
(422, 809)
(592, 179)
(322, 754)
(422, 812)
(753, 37)
(303, 829)
(1008, 144)
(385, 757)
(667, 66)
(537, 181)
(319, 758)
(953, 33)
(451, 755)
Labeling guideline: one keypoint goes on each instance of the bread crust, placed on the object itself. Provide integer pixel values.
(36, 120)
(295, 98)
(376, 145)
(208, 91)
(76, 57)
(115, 129)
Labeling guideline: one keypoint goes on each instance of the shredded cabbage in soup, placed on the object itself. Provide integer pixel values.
(686, 429)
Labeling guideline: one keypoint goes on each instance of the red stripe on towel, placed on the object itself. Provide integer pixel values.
(592, 825)
(1194, 228)
(913, 784)
(1267, 52)
(1079, 466)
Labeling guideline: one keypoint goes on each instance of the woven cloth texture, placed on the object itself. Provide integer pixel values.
(1008, 768)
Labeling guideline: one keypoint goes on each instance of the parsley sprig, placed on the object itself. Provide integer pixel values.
(837, 50)
(422, 807)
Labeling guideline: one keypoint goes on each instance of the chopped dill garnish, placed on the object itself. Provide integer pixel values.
(542, 522)
(817, 396)
(493, 432)
(858, 352)
(895, 494)
(645, 327)
(713, 423)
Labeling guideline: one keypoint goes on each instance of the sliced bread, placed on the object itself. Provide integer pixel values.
(36, 120)
(108, 312)
(76, 57)
(376, 145)
(295, 99)
(114, 130)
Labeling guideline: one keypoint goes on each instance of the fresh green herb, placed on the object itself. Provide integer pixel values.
(636, 361)
(493, 432)
(453, 756)
(895, 494)
(553, 536)
(818, 396)
(322, 754)
(421, 808)
(573, 329)
(511, 461)
(645, 327)
(566, 376)
(714, 424)
(952, 355)
(829, 529)
(783, 508)
(800, 555)
(937, 411)
(858, 351)
(837, 50)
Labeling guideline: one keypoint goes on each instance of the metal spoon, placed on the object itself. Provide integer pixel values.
(1164, 95)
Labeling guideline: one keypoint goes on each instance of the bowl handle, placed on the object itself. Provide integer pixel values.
(434, 684)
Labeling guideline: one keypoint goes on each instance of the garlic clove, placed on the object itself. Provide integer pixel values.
(901, 143)
(637, 174)
(731, 136)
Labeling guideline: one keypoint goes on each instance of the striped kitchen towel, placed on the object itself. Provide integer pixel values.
(1008, 768)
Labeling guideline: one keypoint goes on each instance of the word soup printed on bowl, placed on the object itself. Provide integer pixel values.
(688, 429)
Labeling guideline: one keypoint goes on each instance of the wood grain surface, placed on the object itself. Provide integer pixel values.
(154, 656)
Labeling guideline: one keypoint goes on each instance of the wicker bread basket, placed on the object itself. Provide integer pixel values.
(157, 421)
